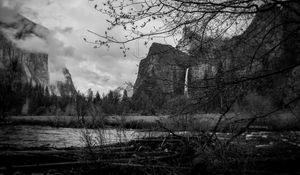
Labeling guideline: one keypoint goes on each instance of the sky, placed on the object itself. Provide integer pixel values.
(68, 21)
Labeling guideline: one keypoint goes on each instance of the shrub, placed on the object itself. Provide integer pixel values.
(255, 104)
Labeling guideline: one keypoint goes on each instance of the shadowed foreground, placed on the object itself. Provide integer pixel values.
(174, 154)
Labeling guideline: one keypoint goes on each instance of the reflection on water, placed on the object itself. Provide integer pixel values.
(36, 136)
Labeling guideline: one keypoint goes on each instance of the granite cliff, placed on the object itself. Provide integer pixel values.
(162, 70)
(64, 87)
(128, 86)
(270, 43)
(34, 65)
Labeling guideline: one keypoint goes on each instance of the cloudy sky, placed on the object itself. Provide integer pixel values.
(100, 69)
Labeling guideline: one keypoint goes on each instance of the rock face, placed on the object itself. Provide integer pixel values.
(270, 43)
(22, 28)
(128, 86)
(201, 71)
(64, 87)
(163, 70)
(34, 65)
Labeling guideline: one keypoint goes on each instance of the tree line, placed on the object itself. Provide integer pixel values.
(19, 98)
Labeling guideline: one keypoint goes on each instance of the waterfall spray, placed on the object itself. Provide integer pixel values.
(186, 88)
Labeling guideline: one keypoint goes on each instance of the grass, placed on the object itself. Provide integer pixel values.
(231, 122)
(196, 122)
(128, 122)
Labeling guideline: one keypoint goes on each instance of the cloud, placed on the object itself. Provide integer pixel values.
(7, 15)
(67, 22)
(95, 77)
(64, 30)
(36, 38)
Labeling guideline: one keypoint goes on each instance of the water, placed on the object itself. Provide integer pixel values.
(36, 136)
(24, 136)
(186, 89)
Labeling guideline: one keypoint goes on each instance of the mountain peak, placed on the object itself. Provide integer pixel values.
(65, 87)
(19, 27)
(34, 65)
(65, 71)
(157, 48)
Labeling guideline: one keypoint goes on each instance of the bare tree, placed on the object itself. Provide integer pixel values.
(248, 50)
(204, 17)
(253, 44)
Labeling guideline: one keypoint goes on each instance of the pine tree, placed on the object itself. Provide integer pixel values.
(125, 96)
(90, 95)
(47, 97)
(97, 99)
(125, 104)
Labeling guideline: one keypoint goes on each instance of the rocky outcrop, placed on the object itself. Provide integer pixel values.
(19, 27)
(34, 65)
(269, 47)
(128, 86)
(162, 70)
(270, 43)
(200, 72)
(64, 87)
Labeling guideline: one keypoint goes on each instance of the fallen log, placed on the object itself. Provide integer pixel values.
(37, 152)
(64, 165)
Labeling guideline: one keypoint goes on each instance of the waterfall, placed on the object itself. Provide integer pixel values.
(186, 80)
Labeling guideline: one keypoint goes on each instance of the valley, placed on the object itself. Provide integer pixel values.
(216, 91)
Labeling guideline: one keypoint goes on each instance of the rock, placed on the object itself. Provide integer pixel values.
(270, 43)
(163, 69)
(64, 87)
(128, 86)
(34, 65)
(202, 71)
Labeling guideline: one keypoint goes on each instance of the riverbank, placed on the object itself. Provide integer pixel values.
(126, 122)
(161, 155)
(196, 122)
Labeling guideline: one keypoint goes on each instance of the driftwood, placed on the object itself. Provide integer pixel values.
(153, 153)
(38, 152)
(114, 148)
(63, 165)
(162, 155)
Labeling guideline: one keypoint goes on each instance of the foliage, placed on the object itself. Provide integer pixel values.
(11, 90)
(175, 105)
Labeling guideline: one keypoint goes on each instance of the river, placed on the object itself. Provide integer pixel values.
(25, 136)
